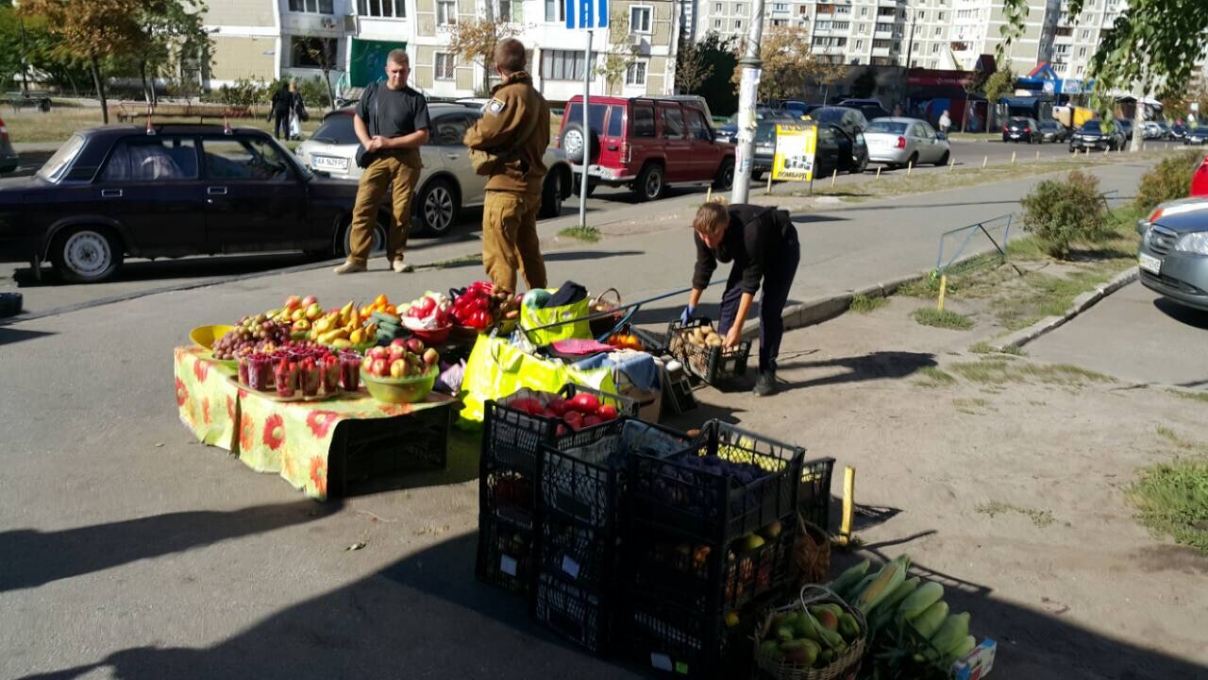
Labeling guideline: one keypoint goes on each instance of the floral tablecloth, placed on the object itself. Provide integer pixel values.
(292, 439)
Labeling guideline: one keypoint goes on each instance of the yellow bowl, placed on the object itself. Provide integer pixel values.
(204, 336)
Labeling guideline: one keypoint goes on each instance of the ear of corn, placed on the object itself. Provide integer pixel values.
(951, 634)
(930, 620)
(886, 581)
(849, 578)
(928, 594)
(900, 593)
(967, 645)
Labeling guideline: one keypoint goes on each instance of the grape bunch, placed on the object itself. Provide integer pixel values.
(252, 333)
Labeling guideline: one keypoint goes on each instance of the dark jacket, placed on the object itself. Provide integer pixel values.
(756, 238)
(514, 126)
(281, 102)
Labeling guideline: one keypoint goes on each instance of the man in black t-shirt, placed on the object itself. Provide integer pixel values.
(392, 123)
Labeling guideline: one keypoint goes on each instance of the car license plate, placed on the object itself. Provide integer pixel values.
(330, 163)
(1151, 264)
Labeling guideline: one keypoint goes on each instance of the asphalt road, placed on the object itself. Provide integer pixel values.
(1135, 335)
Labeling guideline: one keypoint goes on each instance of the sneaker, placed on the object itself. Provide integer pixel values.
(765, 384)
(349, 267)
(401, 267)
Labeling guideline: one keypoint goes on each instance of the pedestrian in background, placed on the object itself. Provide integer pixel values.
(508, 144)
(945, 122)
(297, 112)
(392, 123)
(279, 110)
(762, 243)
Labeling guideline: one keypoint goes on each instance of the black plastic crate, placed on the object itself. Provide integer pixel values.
(682, 641)
(813, 498)
(511, 441)
(584, 474)
(732, 483)
(508, 494)
(364, 451)
(707, 576)
(577, 614)
(711, 364)
(507, 555)
(578, 554)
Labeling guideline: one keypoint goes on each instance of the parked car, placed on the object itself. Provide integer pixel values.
(727, 133)
(8, 156)
(1167, 133)
(1092, 136)
(448, 182)
(871, 108)
(1052, 131)
(834, 150)
(798, 108)
(1196, 135)
(117, 191)
(850, 120)
(898, 142)
(1125, 126)
(1151, 130)
(1199, 179)
(1019, 129)
(646, 144)
(1173, 257)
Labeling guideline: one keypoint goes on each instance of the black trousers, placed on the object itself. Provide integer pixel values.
(281, 127)
(777, 280)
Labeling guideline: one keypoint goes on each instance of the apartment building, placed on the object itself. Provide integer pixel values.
(270, 39)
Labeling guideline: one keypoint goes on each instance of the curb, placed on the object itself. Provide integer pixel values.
(824, 309)
(1081, 304)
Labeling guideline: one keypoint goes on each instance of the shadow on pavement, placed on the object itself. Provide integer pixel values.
(186, 268)
(873, 366)
(9, 336)
(426, 617)
(575, 255)
(33, 558)
(1186, 315)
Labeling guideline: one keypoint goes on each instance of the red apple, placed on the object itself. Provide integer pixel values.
(309, 300)
(398, 342)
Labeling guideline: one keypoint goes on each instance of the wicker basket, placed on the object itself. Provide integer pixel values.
(811, 554)
(605, 324)
(844, 667)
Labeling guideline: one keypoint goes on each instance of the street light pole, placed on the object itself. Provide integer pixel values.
(748, 92)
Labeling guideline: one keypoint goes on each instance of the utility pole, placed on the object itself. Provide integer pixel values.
(909, 55)
(748, 92)
(24, 58)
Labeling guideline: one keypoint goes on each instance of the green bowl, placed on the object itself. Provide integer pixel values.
(401, 390)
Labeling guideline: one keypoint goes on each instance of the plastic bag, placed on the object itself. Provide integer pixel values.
(531, 318)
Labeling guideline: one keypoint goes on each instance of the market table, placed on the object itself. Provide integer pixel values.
(302, 441)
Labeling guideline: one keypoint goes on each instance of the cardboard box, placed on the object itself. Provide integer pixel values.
(976, 664)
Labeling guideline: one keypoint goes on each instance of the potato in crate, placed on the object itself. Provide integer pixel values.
(702, 352)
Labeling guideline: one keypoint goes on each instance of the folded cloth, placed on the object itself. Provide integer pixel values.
(639, 367)
(580, 346)
(568, 294)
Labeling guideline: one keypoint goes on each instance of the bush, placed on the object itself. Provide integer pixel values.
(1061, 212)
(1167, 180)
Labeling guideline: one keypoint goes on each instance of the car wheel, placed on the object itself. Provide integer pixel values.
(379, 240)
(437, 207)
(577, 181)
(944, 159)
(87, 254)
(756, 175)
(650, 186)
(551, 196)
(724, 179)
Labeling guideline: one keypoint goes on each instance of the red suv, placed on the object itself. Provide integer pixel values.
(646, 143)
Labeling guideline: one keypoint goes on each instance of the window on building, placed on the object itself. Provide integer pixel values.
(884, 28)
(1082, 51)
(1081, 70)
(555, 11)
(959, 46)
(635, 73)
(511, 11)
(717, 8)
(1086, 33)
(740, 9)
(841, 9)
(640, 18)
(562, 64)
(446, 12)
(935, 48)
(863, 11)
(880, 44)
(1061, 49)
(717, 23)
(822, 26)
(940, 16)
(842, 25)
(939, 30)
(737, 24)
(780, 22)
(859, 44)
(780, 7)
(803, 10)
(313, 6)
(444, 66)
(306, 52)
(886, 12)
(382, 8)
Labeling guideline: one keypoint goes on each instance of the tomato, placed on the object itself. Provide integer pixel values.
(574, 420)
(585, 403)
(607, 412)
(591, 421)
(531, 406)
(558, 406)
(479, 320)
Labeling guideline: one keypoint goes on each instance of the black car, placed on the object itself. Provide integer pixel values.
(1125, 126)
(871, 108)
(1052, 131)
(1092, 136)
(1019, 129)
(727, 133)
(1196, 135)
(117, 191)
(850, 120)
(835, 150)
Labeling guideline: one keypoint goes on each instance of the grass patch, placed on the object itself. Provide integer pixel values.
(456, 262)
(1201, 397)
(1041, 518)
(986, 348)
(971, 406)
(934, 377)
(1185, 444)
(945, 319)
(992, 371)
(862, 304)
(589, 234)
(30, 126)
(1172, 499)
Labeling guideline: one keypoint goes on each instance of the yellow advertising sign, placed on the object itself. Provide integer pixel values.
(795, 148)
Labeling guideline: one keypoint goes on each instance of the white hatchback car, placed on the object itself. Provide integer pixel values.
(447, 183)
(898, 142)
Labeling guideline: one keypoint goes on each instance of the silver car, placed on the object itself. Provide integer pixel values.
(8, 157)
(447, 183)
(1173, 257)
(898, 142)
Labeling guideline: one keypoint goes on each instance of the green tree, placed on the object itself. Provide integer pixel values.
(718, 54)
(692, 68)
(865, 84)
(998, 85)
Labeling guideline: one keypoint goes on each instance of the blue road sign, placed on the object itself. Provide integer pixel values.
(586, 13)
